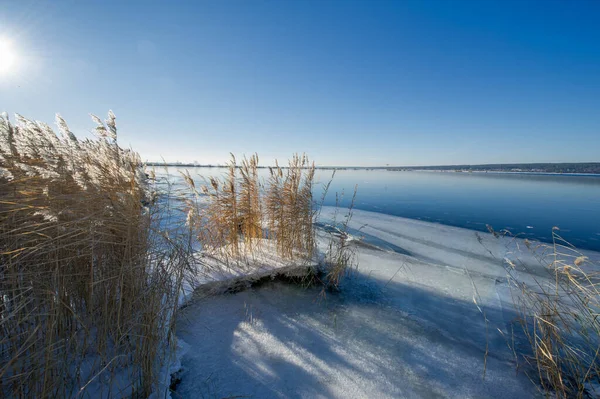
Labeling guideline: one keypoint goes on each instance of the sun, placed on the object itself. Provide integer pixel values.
(8, 58)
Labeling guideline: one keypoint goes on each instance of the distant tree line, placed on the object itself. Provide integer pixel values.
(581, 167)
(585, 167)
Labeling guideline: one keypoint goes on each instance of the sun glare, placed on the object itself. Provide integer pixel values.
(8, 57)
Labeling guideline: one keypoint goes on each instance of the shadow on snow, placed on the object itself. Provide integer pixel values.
(373, 339)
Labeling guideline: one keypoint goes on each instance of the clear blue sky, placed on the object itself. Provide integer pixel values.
(347, 82)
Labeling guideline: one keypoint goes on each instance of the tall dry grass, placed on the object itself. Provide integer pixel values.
(243, 209)
(249, 206)
(559, 317)
(291, 210)
(88, 282)
(340, 255)
(220, 219)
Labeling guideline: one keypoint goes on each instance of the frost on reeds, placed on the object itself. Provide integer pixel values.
(559, 318)
(88, 284)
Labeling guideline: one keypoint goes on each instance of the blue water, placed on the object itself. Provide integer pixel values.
(525, 204)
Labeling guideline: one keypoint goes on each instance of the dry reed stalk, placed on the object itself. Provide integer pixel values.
(292, 199)
(273, 200)
(250, 212)
(237, 209)
(85, 290)
(220, 218)
(340, 256)
(559, 316)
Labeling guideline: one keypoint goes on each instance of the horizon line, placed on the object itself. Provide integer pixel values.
(458, 166)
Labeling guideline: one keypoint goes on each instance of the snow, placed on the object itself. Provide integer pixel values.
(278, 341)
(216, 271)
(170, 369)
(253, 262)
(405, 323)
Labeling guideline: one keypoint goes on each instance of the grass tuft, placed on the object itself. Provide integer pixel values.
(242, 209)
(559, 317)
(88, 282)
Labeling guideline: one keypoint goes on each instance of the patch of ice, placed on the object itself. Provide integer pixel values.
(404, 325)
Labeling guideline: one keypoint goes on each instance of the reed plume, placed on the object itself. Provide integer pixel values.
(87, 282)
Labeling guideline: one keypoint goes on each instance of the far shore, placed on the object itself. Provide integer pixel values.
(582, 169)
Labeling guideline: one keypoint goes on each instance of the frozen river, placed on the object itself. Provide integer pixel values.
(526, 204)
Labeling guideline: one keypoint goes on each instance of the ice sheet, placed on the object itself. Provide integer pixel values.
(413, 320)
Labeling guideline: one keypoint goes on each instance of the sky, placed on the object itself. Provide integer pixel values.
(350, 83)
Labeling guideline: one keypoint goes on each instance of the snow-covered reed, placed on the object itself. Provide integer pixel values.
(88, 280)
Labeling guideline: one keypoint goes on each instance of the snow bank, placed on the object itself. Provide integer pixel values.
(216, 271)
(405, 323)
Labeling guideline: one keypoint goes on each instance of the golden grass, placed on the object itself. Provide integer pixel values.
(561, 322)
(559, 316)
(241, 208)
(93, 254)
(290, 208)
(88, 284)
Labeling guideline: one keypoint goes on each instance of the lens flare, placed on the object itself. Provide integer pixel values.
(8, 57)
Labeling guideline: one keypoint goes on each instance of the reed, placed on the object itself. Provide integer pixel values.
(241, 208)
(560, 321)
(340, 255)
(249, 208)
(220, 220)
(88, 281)
(558, 316)
(292, 214)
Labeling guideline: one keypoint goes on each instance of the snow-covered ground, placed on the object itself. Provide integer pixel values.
(404, 324)
(217, 271)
